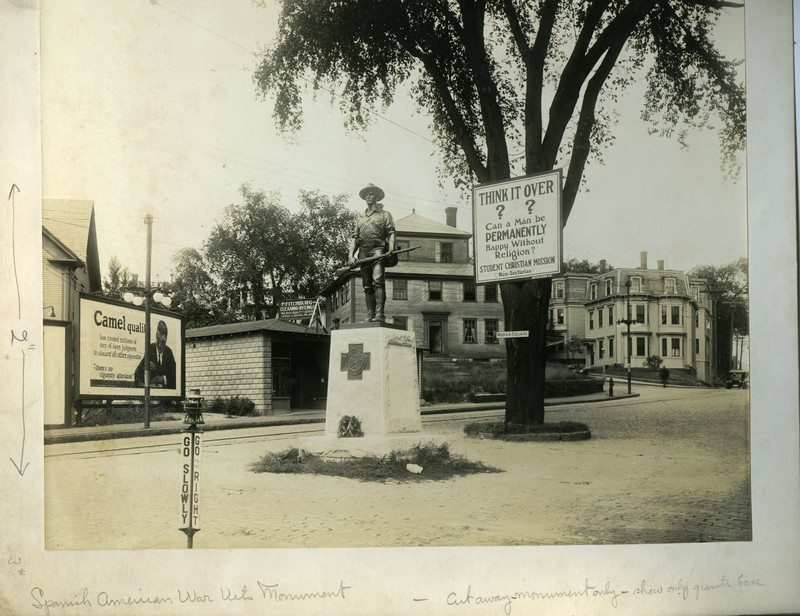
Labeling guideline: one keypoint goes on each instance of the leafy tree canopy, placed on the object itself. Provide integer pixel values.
(259, 253)
(584, 266)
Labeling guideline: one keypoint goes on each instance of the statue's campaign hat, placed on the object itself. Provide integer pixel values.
(379, 194)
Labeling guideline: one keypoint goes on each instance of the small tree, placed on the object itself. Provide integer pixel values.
(118, 278)
(574, 345)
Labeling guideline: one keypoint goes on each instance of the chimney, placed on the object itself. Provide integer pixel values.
(602, 266)
(450, 216)
(661, 264)
(643, 257)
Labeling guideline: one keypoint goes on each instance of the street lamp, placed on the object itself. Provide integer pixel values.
(137, 297)
(627, 321)
(143, 295)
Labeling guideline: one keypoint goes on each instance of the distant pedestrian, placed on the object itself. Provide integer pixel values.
(664, 375)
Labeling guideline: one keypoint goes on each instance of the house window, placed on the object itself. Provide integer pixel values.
(593, 290)
(669, 285)
(676, 347)
(640, 314)
(403, 256)
(663, 315)
(695, 291)
(400, 289)
(469, 291)
(490, 292)
(435, 290)
(402, 321)
(560, 316)
(676, 315)
(558, 288)
(550, 317)
(636, 284)
(609, 286)
(444, 252)
(591, 319)
(335, 300)
(697, 318)
(611, 347)
(697, 345)
(601, 350)
(600, 318)
(610, 315)
(346, 293)
(641, 350)
(663, 347)
(470, 327)
(491, 330)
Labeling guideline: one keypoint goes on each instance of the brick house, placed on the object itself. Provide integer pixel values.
(279, 365)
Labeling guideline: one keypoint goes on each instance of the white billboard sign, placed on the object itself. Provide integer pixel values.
(111, 351)
(518, 228)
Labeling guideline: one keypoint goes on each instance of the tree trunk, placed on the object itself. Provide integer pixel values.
(526, 307)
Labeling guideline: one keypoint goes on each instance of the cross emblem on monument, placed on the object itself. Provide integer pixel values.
(355, 361)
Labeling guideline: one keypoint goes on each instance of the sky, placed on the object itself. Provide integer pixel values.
(149, 106)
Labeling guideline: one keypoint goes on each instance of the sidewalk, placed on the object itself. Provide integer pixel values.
(214, 421)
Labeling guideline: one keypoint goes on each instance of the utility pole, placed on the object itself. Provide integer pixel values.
(148, 221)
(627, 321)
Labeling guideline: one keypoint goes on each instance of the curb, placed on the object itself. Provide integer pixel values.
(100, 435)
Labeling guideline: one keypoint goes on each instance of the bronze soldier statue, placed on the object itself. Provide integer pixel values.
(374, 235)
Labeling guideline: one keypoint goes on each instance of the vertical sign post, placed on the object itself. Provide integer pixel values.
(190, 469)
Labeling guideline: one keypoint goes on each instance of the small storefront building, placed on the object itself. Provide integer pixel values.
(279, 365)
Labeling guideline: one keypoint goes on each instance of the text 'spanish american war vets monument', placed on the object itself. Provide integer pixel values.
(373, 389)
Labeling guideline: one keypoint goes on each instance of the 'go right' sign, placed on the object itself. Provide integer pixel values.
(517, 228)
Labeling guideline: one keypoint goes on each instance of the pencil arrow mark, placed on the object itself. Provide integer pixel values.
(22, 466)
(11, 197)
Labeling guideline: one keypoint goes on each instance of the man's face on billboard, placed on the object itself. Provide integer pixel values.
(161, 340)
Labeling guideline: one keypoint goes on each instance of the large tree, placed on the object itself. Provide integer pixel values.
(497, 76)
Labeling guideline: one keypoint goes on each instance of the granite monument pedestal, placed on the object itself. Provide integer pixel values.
(372, 377)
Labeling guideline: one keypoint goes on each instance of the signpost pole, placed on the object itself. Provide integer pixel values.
(190, 469)
(148, 221)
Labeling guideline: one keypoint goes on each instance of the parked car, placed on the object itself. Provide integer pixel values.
(737, 378)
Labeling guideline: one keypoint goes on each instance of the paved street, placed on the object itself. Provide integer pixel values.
(669, 466)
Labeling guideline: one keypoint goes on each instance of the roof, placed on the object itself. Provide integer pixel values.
(72, 222)
(414, 224)
(69, 255)
(268, 325)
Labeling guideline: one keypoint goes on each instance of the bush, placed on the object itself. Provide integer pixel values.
(653, 362)
(237, 406)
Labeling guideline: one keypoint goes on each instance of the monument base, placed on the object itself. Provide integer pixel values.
(372, 383)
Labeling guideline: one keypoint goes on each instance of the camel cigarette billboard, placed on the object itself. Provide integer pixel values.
(111, 350)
